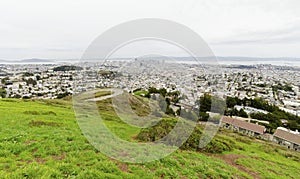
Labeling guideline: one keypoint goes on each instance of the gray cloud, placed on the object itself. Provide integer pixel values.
(63, 29)
(280, 36)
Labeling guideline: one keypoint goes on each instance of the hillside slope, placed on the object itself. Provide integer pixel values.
(41, 139)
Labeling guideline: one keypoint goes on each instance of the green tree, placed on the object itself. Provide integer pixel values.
(3, 93)
(31, 81)
(3, 80)
(203, 116)
(170, 111)
(242, 113)
(231, 102)
(205, 103)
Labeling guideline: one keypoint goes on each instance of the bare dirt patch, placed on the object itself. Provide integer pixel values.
(40, 160)
(26, 161)
(28, 142)
(43, 123)
(59, 157)
(123, 167)
(134, 137)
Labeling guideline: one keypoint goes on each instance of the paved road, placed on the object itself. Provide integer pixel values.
(115, 92)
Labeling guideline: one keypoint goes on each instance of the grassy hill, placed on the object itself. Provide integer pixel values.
(41, 139)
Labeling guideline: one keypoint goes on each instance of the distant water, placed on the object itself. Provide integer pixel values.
(276, 62)
(243, 62)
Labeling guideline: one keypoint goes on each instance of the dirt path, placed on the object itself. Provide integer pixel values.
(230, 159)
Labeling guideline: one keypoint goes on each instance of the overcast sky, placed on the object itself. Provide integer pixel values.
(64, 29)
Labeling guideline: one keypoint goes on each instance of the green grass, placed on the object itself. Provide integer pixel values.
(41, 139)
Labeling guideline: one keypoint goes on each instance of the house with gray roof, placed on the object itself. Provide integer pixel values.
(287, 138)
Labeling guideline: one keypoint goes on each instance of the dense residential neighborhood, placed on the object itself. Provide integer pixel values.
(35, 81)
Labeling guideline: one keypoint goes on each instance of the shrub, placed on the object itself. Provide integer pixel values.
(217, 145)
(31, 112)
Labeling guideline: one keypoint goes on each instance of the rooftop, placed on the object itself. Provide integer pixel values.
(286, 135)
(245, 125)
